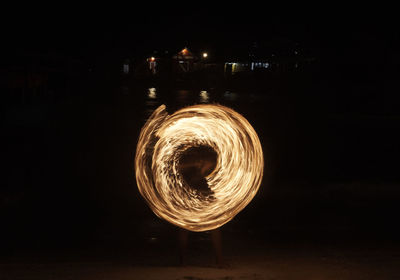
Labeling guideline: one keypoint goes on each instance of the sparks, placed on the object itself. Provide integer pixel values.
(233, 182)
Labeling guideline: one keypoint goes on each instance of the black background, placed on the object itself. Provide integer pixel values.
(331, 155)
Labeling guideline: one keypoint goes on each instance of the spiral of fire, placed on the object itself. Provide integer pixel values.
(231, 185)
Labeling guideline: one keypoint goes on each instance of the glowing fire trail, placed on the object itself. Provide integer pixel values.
(234, 181)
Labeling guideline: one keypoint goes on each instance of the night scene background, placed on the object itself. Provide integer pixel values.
(320, 85)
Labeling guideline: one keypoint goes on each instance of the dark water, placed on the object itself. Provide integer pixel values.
(70, 180)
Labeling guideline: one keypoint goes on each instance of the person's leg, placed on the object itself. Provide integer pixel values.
(183, 240)
(217, 243)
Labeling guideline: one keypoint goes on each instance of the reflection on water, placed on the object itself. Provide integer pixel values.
(152, 93)
(178, 98)
(151, 102)
(204, 96)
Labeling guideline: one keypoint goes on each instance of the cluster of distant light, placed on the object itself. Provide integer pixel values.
(234, 181)
(253, 65)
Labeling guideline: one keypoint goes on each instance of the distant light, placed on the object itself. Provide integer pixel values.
(152, 58)
(205, 55)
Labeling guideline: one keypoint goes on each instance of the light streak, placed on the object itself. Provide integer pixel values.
(233, 183)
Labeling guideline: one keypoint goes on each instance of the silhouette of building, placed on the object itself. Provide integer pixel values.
(184, 61)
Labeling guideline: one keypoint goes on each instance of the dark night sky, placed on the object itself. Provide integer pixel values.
(84, 30)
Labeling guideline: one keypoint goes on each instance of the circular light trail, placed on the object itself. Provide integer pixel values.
(231, 185)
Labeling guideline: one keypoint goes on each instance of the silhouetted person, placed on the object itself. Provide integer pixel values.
(194, 166)
(216, 238)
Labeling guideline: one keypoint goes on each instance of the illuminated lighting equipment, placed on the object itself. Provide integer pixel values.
(233, 183)
(152, 64)
(205, 55)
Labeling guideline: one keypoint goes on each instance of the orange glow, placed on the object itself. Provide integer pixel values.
(234, 181)
(152, 58)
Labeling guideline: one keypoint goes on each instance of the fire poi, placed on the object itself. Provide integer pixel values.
(231, 184)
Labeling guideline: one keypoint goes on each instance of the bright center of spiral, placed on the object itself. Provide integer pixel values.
(198, 167)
